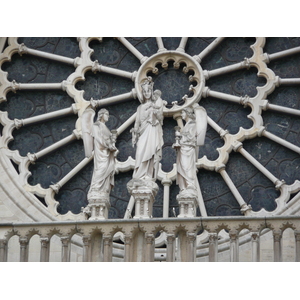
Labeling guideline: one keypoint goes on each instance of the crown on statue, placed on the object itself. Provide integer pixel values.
(148, 82)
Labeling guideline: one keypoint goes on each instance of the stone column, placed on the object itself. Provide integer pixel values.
(166, 183)
(191, 249)
(149, 257)
(160, 44)
(297, 242)
(170, 248)
(255, 246)
(234, 245)
(213, 247)
(182, 44)
(23, 249)
(65, 249)
(107, 248)
(3, 250)
(277, 235)
(44, 249)
(127, 245)
(86, 248)
(182, 246)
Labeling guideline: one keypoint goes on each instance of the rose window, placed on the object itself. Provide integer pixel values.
(249, 88)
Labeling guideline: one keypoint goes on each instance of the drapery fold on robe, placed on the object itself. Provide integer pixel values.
(186, 157)
(150, 139)
(104, 160)
(193, 136)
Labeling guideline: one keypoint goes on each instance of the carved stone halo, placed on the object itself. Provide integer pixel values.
(178, 58)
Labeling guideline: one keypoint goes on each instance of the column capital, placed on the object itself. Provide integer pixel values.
(44, 241)
(220, 168)
(22, 49)
(166, 181)
(127, 239)
(86, 239)
(261, 131)
(245, 100)
(107, 239)
(212, 237)
(277, 235)
(149, 238)
(23, 240)
(3, 243)
(170, 238)
(237, 146)
(65, 240)
(233, 234)
(255, 236)
(191, 236)
(297, 235)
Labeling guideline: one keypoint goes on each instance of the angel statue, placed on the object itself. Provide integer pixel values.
(190, 138)
(147, 133)
(100, 141)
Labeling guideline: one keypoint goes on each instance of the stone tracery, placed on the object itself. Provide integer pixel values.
(232, 142)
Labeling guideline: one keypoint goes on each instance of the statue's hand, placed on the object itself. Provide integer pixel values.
(134, 135)
(116, 153)
(176, 146)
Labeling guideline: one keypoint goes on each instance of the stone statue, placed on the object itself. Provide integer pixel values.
(105, 152)
(187, 145)
(102, 142)
(147, 133)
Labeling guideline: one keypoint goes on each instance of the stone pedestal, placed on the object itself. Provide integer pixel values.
(187, 201)
(143, 192)
(98, 206)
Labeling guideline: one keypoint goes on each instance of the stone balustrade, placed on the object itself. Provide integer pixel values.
(173, 239)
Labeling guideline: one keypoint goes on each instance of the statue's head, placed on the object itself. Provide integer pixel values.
(147, 88)
(157, 94)
(189, 112)
(103, 114)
